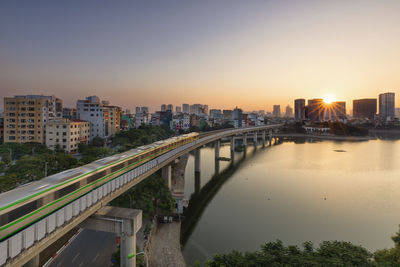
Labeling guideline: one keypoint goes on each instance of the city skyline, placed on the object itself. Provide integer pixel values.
(191, 53)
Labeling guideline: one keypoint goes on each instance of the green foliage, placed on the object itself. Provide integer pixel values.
(2, 166)
(338, 128)
(151, 195)
(28, 163)
(391, 256)
(92, 153)
(145, 134)
(97, 142)
(329, 253)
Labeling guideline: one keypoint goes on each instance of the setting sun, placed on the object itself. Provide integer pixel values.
(328, 99)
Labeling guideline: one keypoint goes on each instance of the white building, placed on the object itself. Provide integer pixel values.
(141, 118)
(67, 134)
(91, 110)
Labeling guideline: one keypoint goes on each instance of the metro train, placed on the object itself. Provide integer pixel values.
(27, 204)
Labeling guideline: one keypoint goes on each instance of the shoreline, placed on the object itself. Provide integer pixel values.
(328, 137)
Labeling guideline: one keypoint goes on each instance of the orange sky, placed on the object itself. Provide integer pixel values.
(251, 54)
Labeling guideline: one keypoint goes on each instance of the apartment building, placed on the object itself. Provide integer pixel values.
(91, 110)
(67, 134)
(25, 117)
(112, 120)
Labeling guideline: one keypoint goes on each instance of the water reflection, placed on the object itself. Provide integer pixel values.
(297, 191)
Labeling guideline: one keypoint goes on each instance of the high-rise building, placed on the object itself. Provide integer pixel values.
(397, 113)
(91, 110)
(316, 108)
(112, 120)
(386, 106)
(178, 109)
(289, 112)
(205, 109)
(215, 113)
(364, 108)
(196, 109)
(185, 108)
(170, 107)
(137, 110)
(25, 117)
(227, 114)
(144, 109)
(67, 134)
(69, 113)
(300, 109)
(141, 118)
(237, 117)
(163, 107)
(335, 111)
(276, 112)
(1, 129)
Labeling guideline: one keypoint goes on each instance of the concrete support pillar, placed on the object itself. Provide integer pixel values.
(124, 222)
(232, 149)
(178, 168)
(216, 169)
(128, 246)
(34, 262)
(255, 139)
(270, 137)
(197, 160)
(245, 140)
(263, 138)
(217, 147)
(166, 175)
(197, 182)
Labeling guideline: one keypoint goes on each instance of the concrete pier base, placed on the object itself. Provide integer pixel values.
(270, 137)
(124, 222)
(217, 146)
(34, 262)
(197, 182)
(197, 160)
(166, 175)
(263, 138)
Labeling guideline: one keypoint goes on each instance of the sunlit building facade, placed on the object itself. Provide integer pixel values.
(364, 108)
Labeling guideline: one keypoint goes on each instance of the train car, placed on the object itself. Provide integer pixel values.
(29, 203)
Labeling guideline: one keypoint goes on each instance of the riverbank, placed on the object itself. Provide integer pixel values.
(327, 137)
(166, 247)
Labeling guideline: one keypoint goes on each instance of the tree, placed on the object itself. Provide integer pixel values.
(330, 253)
(151, 195)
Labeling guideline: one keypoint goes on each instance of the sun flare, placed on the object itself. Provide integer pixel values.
(328, 99)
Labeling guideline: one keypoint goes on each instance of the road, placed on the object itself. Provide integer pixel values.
(89, 248)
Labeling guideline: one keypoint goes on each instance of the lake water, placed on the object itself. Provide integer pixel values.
(295, 192)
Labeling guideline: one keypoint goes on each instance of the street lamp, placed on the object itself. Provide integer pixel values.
(145, 256)
(45, 169)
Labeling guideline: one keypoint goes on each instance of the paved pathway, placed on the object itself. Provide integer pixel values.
(166, 248)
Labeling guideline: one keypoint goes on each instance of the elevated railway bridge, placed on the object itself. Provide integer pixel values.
(35, 215)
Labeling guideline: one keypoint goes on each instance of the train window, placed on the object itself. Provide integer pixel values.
(19, 212)
(133, 160)
(3, 219)
(66, 190)
(117, 167)
(95, 177)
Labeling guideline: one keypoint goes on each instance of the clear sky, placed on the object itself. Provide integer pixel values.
(251, 54)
